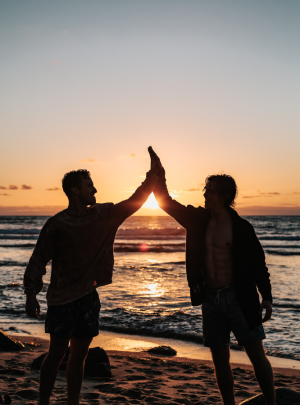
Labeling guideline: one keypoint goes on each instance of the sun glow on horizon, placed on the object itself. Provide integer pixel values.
(151, 202)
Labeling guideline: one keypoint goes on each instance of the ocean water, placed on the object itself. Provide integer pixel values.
(149, 294)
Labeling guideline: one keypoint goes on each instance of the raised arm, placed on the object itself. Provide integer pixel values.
(179, 212)
(125, 208)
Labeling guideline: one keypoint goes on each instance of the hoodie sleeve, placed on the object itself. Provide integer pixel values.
(126, 208)
(42, 254)
(261, 273)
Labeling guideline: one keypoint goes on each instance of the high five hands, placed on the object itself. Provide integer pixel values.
(155, 161)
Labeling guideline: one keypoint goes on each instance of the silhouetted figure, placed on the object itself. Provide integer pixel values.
(225, 265)
(79, 241)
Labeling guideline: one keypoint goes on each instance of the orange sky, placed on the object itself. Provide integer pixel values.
(212, 86)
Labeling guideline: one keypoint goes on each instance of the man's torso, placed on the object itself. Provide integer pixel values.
(218, 269)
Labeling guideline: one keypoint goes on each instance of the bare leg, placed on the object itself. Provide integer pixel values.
(263, 370)
(75, 367)
(224, 376)
(49, 369)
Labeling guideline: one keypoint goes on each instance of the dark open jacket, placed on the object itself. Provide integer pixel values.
(249, 267)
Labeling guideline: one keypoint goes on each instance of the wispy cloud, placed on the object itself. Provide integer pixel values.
(130, 190)
(89, 160)
(133, 156)
(25, 187)
(12, 187)
(294, 193)
(262, 194)
(4, 194)
(2, 188)
(52, 189)
(193, 189)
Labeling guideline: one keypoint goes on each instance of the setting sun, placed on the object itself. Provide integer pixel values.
(151, 202)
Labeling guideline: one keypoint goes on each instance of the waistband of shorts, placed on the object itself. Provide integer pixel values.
(216, 290)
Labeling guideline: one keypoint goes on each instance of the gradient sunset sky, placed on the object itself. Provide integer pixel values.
(213, 86)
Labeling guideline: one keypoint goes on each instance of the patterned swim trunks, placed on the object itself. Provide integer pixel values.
(79, 318)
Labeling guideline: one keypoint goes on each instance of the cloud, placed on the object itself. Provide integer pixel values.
(194, 189)
(30, 210)
(4, 194)
(25, 187)
(130, 190)
(89, 160)
(54, 62)
(269, 210)
(173, 195)
(133, 156)
(52, 189)
(295, 192)
(12, 187)
(2, 188)
(269, 194)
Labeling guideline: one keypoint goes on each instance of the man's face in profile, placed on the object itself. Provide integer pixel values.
(212, 199)
(87, 191)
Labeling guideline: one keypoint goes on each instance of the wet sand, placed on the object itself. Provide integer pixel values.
(137, 378)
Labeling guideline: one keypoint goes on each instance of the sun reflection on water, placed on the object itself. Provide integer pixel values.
(152, 290)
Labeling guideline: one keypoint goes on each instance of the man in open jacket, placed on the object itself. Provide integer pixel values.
(225, 266)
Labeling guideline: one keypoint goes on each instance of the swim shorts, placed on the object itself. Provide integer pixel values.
(222, 314)
(79, 318)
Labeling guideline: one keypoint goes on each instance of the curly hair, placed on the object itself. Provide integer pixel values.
(225, 187)
(74, 179)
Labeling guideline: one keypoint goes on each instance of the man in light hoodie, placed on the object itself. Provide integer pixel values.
(79, 241)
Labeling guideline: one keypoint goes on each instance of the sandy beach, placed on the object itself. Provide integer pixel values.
(137, 378)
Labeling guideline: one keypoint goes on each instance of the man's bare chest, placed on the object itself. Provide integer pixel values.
(219, 236)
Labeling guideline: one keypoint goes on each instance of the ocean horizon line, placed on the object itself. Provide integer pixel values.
(254, 210)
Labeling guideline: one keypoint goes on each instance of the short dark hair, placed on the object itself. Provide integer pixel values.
(225, 187)
(74, 179)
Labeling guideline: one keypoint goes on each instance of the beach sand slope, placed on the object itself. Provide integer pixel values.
(138, 378)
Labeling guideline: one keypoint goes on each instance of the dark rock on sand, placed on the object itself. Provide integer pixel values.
(9, 344)
(284, 396)
(7, 399)
(28, 394)
(164, 350)
(96, 364)
(36, 364)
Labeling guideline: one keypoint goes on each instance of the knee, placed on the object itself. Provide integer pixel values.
(220, 356)
(256, 354)
(79, 356)
(56, 355)
(259, 359)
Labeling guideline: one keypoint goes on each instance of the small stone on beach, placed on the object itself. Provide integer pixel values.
(163, 350)
(96, 364)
